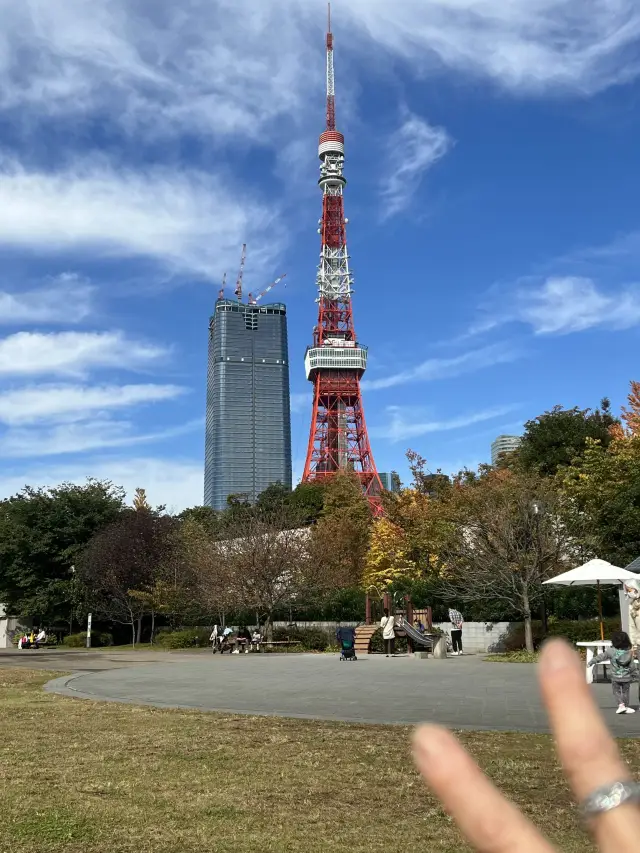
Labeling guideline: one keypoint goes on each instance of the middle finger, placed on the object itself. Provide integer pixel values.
(587, 751)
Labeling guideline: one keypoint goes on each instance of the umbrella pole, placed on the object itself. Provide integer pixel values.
(600, 611)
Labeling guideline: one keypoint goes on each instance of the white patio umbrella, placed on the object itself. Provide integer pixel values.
(594, 573)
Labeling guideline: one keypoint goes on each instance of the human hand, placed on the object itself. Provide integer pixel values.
(587, 751)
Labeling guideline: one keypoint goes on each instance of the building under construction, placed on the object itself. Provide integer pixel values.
(248, 427)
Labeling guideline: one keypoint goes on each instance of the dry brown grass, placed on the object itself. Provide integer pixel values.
(82, 776)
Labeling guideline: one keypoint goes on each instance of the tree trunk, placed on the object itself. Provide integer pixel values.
(528, 627)
(139, 629)
(268, 628)
(153, 624)
(133, 632)
(528, 632)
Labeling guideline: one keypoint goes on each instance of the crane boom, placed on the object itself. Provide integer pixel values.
(253, 300)
(224, 284)
(238, 290)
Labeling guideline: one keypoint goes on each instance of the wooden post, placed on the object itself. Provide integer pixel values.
(367, 610)
(386, 602)
(600, 610)
(429, 618)
(408, 615)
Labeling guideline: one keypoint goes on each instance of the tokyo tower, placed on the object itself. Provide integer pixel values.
(338, 439)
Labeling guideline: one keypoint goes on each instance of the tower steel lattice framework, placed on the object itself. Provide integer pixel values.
(336, 362)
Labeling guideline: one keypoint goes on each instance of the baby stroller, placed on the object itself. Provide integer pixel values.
(347, 641)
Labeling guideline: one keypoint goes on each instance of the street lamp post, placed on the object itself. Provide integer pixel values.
(73, 597)
(536, 506)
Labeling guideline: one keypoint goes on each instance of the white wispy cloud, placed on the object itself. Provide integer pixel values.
(561, 305)
(66, 298)
(82, 437)
(411, 150)
(74, 353)
(227, 68)
(443, 368)
(176, 483)
(68, 403)
(405, 424)
(573, 304)
(189, 221)
(524, 45)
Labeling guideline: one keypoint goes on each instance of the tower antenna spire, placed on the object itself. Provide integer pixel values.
(331, 81)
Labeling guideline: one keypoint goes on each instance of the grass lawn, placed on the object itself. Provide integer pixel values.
(521, 656)
(81, 776)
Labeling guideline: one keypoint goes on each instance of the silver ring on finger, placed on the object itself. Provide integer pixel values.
(609, 797)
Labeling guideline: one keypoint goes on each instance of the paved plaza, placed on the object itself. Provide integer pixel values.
(464, 692)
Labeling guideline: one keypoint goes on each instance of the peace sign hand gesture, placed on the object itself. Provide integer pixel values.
(588, 754)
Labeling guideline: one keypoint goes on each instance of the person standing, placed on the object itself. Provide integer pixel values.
(388, 623)
(623, 669)
(213, 639)
(455, 617)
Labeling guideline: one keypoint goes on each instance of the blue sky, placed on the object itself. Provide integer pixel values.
(493, 205)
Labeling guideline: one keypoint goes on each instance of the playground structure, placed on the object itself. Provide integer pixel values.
(406, 619)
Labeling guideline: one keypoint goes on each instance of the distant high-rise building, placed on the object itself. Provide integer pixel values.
(504, 444)
(248, 428)
(390, 482)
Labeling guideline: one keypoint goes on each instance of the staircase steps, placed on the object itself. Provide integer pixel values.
(364, 633)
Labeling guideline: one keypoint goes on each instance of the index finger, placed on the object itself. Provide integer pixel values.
(587, 751)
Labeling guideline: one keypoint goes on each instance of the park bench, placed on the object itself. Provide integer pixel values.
(279, 643)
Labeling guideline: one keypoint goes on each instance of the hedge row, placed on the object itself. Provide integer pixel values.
(79, 641)
(308, 639)
(187, 638)
(579, 631)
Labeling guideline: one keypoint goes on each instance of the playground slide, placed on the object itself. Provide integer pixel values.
(416, 636)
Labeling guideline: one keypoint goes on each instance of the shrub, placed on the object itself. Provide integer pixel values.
(185, 639)
(308, 639)
(575, 631)
(79, 641)
(513, 640)
(377, 643)
(584, 630)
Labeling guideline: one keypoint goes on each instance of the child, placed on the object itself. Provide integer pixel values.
(623, 669)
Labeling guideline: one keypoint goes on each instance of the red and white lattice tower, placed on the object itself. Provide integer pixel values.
(335, 363)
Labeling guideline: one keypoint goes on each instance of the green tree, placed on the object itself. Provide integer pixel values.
(604, 488)
(307, 502)
(388, 561)
(340, 539)
(554, 439)
(261, 565)
(42, 533)
(125, 567)
(209, 519)
(273, 499)
(506, 537)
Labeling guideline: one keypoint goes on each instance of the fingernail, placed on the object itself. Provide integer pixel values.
(556, 656)
(428, 742)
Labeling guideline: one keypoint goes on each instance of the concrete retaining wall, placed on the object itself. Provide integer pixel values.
(9, 625)
(479, 637)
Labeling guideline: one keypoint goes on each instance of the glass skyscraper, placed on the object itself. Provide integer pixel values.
(248, 431)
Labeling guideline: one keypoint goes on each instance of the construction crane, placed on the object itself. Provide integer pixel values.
(253, 300)
(224, 284)
(238, 290)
